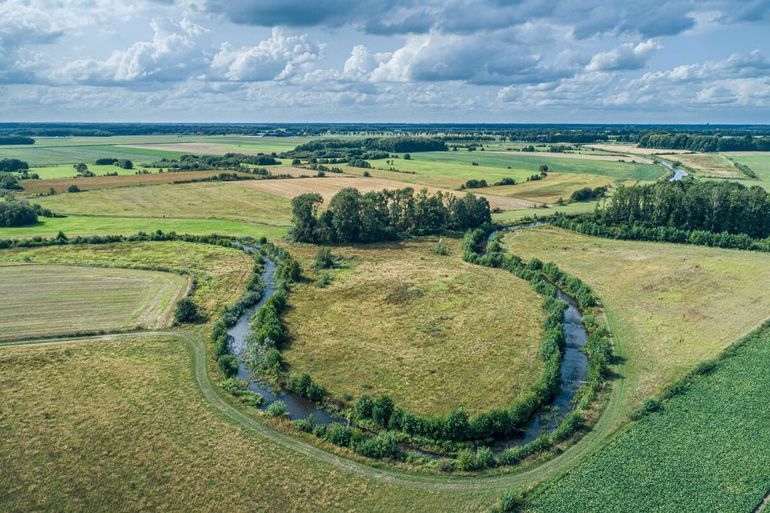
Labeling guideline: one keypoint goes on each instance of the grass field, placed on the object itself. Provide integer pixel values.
(105, 225)
(151, 443)
(457, 167)
(67, 171)
(708, 450)
(759, 162)
(570, 208)
(431, 331)
(49, 300)
(220, 272)
(329, 186)
(553, 187)
(59, 185)
(709, 165)
(670, 306)
(232, 201)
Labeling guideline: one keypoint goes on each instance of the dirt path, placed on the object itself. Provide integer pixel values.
(762, 506)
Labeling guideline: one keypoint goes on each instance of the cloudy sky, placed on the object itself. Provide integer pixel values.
(642, 61)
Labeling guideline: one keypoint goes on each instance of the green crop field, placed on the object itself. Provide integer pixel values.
(219, 272)
(707, 450)
(759, 162)
(440, 325)
(119, 425)
(670, 306)
(48, 300)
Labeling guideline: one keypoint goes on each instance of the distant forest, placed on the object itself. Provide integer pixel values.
(692, 137)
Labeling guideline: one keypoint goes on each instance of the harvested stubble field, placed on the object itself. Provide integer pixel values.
(220, 272)
(151, 442)
(633, 149)
(431, 331)
(670, 306)
(331, 185)
(707, 450)
(611, 157)
(709, 165)
(52, 300)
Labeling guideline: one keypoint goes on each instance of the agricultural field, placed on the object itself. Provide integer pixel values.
(670, 306)
(59, 185)
(553, 187)
(231, 201)
(53, 300)
(759, 162)
(441, 324)
(709, 165)
(706, 450)
(219, 272)
(151, 442)
(329, 186)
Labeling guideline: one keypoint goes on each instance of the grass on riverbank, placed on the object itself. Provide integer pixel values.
(431, 331)
(707, 450)
(670, 306)
(53, 300)
(118, 425)
(220, 272)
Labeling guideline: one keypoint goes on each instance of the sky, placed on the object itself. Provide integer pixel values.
(461, 61)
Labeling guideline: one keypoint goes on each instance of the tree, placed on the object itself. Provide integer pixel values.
(73, 188)
(81, 168)
(9, 182)
(304, 209)
(12, 165)
(346, 221)
(187, 311)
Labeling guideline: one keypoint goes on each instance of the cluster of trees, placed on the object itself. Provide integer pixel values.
(121, 163)
(385, 215)
(474, 184)
(81, 169)
(691, 205)
(402, 144)
(15, 212)
(588, 194)
(232, 161)
(8, 182)
(705, 143)
(12, 165)
(506, 181)
(15, 139)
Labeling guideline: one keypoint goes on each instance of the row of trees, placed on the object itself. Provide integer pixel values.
(15, 139)
(228, 161)
(705, 143)
(12, 165)
(691, 205)
(384, 215)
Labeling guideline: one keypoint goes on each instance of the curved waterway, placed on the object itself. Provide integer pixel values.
(573, 373)
(679, 173)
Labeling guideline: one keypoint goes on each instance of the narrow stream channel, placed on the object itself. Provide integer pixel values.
(574, 369)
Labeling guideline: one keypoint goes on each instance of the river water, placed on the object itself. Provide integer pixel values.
(574, 369)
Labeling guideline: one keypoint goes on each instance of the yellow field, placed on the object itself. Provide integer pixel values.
(553, 187)
(670, 306)
(329, 186)
(52, 300)
(711, 165)
(633, 149)
(431, 331)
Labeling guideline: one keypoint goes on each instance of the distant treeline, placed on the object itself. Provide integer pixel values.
(363, 149)
(385, 215)
(227, 161)
(691, 205)
(15, 139)
(705, 143)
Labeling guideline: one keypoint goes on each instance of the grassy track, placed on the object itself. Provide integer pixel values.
(149, 442)
(431, 331)
(53, 300)
(672, 305)
(219, 272)
(708, 450)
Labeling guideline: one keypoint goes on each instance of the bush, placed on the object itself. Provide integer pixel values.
(339, 435)
(9, 182)
(73, 188)
(323, 280)
(228, 364)
(187, 311)
(276, 409)
(382, 445)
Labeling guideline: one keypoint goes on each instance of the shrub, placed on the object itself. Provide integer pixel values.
(228, 364)
(276, 409)
(73, 188)
(187, 311)
(323, 280)
(339, 435)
